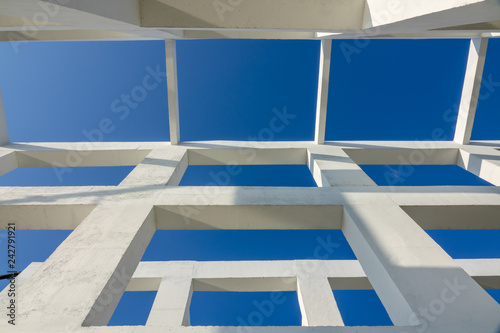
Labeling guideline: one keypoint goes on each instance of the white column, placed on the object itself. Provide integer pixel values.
(323, 83)
(331, 166)
(161, 167)
(4, 133)
(416, 280)
(173, 95)
(470, 90)
(171, 305)
(317, 303)
(82, 281)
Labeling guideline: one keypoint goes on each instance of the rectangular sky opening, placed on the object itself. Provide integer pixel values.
(226, 308)
(295, 175)
(66, 176)
(71, 91)
(395, 89)
(133, 309)
(226, 245)
(247, 90)
(422, 175)
(468, 244)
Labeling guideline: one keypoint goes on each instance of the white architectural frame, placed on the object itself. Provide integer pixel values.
(78, 287)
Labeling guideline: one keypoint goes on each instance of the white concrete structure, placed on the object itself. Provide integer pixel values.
(422, 288)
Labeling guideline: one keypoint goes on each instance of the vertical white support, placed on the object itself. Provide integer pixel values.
(416, 280)
(82, 281)
(323, 82)
(470, 90)
(317, 303)
(4, 133)
(171, 305)
(173, 96)
(161, 167)
(331, 166)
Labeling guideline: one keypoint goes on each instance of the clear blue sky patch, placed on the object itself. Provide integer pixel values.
(361, 308)
(257, 90)
(220, 245)
(85, 91)
(395, 89)
(468, 244)
(133, 309)
(66, 176)
(422, 175)
(297, 175)
(209, 308)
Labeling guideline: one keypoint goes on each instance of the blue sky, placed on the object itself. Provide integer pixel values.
(244, 90)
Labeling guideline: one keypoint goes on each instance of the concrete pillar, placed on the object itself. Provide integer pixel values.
(333, 167)
(416, 280)
(172, 91)
(4, 133)
(317, 303)
(471, 88)
(83, 280)
(323, 84)
(161, 167)
(171, 305)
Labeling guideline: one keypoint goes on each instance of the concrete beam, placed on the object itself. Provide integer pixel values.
(81, 158)
(323, 84)
(404, 156)
(265, 216)
(249, 156)
(20, 280)
(455, 217)
(159, 168)
(333, 167)
(171, 305)
(411, 272)
(4, 133)
(257, 14)
(89, 20)
(172, 91)
(471, 89)
(484, 162)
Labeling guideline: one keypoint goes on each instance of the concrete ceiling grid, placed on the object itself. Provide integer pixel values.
(78, 287)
